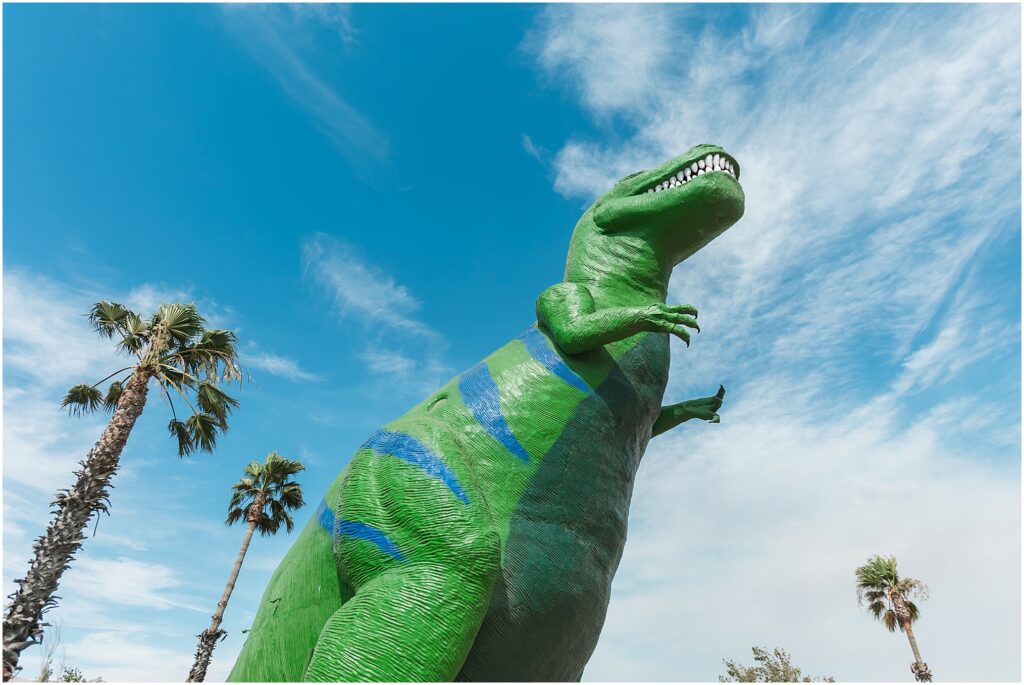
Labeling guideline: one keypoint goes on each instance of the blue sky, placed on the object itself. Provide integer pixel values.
(373, 197)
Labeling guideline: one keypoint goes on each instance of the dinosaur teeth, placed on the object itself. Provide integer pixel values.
(707, 165)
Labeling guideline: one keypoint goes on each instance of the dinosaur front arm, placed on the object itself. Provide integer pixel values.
(567, 311)
(705, 408)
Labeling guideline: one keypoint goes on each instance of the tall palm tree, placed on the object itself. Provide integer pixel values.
(172, 347)
(888, 599)
(263, 498)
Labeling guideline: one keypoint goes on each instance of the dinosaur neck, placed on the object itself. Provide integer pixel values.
(619, 269)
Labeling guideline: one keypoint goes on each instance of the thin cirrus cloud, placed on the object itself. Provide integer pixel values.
(402, 347)
(357, 287)
(277, 365)
(852, 314)
(276, 36)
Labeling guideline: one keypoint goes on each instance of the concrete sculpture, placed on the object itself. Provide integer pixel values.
(476, 537)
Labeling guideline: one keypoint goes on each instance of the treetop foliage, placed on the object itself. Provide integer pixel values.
(772, 667)
(174, 347)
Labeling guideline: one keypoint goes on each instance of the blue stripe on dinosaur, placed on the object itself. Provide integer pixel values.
(357, 530)
(480, 393)
(364, 531)
(325, 516)
(538, 347)
(407, 448)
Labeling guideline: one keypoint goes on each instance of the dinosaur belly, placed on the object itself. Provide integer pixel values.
(567, 532)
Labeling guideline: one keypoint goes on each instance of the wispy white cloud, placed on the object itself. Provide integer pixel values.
(572, 43)
(37, 436)
(406, 351)
(127, 582)
(946, 355)
(538, 152)
(127, 658)
(46, 334)
(336, 17)
(278, 37)
(358, 288)
(277, 365)
(388, 362)
(845, 307)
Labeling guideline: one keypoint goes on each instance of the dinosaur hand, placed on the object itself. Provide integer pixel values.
(670, 318)
(706, 408)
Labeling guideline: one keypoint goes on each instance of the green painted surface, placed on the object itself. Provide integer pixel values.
(476, 537)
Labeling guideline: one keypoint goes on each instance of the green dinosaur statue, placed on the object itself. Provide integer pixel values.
(476, 537)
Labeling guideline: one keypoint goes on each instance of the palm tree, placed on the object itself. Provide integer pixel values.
(172, 347)
(888, 599)
(263, 498)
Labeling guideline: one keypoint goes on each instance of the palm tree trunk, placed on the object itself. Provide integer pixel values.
(919, 668)
(913, 643)
(208, 638)
(55, 550)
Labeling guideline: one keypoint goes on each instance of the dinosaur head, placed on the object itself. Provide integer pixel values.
(679, 206)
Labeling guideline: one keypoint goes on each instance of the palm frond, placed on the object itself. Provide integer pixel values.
(217, 340)
(177, 378)
(203, 430)
(268, 525)
(134, 334)
(215, 354)
(281, 467)
(874, 595)
(877, 609)
(82, 399)
(911, 587)
(291, 496)
(237, 497)
(235, 514)
(878, 572)
(890, 620)
(912, 611)
(182, 321)
(215, 402)
(289, 523)
(186, 444)
(114, 392)
(107, 317)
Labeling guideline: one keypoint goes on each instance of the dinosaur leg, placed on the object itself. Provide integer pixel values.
(705, 408)
(408, 623)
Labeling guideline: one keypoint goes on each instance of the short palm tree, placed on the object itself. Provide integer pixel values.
(888, 599)
(172, 347)
(262, 498)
